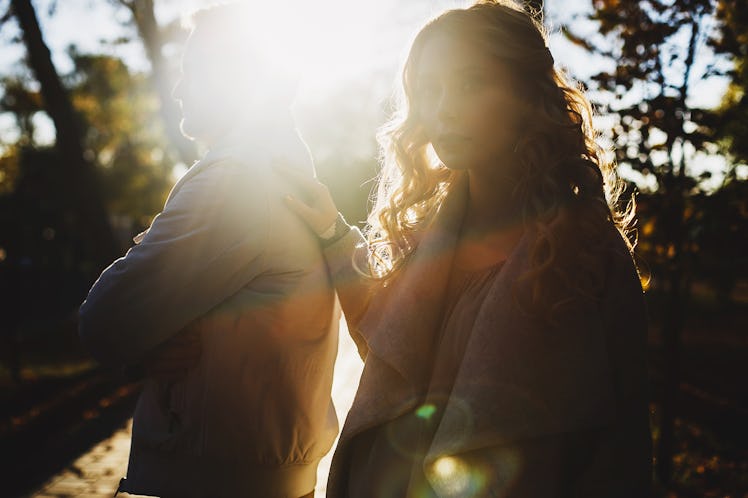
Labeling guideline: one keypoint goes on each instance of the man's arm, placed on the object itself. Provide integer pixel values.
(205, 246)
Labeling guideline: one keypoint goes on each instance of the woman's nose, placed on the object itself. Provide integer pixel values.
(445, 108)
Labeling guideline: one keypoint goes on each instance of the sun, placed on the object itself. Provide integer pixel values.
(325, 37)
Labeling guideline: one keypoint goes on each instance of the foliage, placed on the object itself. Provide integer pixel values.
(44, 265)
(124, 136)
(654, 44)
(661, 52)
(732, 126)
(23, 103)
(658, 56)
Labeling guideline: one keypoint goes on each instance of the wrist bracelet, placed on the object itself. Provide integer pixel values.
(330, 230)
(336, 231)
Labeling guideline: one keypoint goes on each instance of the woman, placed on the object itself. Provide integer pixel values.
(495, 301)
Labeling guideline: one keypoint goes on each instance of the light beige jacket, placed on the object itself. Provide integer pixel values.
(226, 258)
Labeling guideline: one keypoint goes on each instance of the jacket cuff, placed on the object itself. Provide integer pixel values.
(347, 255)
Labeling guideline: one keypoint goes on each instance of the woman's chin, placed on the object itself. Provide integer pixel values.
(452, 159)
(453, 163)
(455, 166)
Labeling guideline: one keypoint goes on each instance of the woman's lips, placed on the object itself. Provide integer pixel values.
(450, 141)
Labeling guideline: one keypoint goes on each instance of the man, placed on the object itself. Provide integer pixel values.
(225, 302)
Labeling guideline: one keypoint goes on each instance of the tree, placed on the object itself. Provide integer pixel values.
(125, 136)
(153, 38)
(732, 41)
(47, 250)
(81, 180)
(659, 136)
(723, 226)
(44, 274)
(22, 104)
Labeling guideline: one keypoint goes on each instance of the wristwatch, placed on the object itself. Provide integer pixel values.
(335, 232)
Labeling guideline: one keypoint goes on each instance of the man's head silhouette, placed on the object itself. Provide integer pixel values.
(226, 78)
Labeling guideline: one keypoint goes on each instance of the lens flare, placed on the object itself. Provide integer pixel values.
(407, 434)
(425, 411)
(450, 476)
(491, 470)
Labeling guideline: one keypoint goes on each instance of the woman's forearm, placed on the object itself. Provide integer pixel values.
(347, 260)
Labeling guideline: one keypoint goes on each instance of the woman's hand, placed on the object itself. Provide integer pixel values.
(172, 360)
(317, 210)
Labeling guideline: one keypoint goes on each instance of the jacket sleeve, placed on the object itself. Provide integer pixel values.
(346, 259)
(203, 247)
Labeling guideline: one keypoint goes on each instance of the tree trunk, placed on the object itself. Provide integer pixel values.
(671, 332)
(675, 306)
(82, 186)
(145, 21)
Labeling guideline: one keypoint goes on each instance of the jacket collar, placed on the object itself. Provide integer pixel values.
(257, 142)
(400, 326)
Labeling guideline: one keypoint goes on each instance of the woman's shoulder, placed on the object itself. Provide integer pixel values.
(591, 254)
(583, 231)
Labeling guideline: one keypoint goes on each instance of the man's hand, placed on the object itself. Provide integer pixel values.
(172, 360)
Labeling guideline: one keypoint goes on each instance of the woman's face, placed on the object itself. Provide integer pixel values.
(466, 104)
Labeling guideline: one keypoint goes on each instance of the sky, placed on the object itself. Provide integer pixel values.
(364, 42)
(386, 24)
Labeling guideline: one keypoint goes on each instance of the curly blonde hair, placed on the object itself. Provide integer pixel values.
(560, 161)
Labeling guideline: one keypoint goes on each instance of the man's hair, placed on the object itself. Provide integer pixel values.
(224, 28)
(234, 37)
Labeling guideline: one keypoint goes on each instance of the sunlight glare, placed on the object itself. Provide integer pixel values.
(315, 37)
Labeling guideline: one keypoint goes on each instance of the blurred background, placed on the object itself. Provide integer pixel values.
(90, 146)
